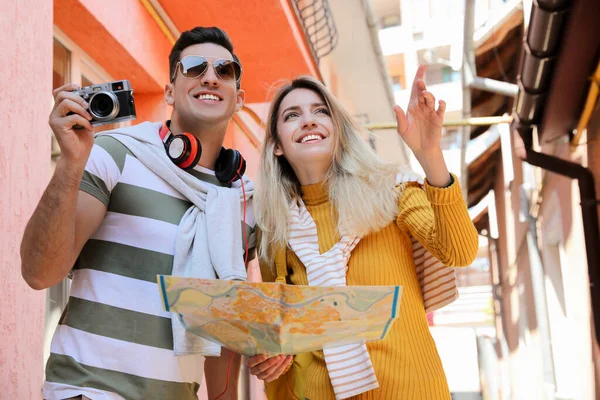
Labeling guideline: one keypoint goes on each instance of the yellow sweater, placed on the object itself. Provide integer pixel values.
(406, 362)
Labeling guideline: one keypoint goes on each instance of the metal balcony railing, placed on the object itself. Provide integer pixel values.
(317, 22)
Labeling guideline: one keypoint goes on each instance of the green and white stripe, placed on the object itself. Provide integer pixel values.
(114, 340)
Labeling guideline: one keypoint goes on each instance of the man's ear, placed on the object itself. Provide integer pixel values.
(239, 100)
(170, 94)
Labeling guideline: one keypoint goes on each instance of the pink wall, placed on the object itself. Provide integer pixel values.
(25, 90)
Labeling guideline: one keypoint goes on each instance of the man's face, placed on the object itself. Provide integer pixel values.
(206, 99)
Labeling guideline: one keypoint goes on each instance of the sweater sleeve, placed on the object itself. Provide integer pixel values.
(439, 219)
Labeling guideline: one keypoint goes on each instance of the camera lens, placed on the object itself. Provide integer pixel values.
(104, 106)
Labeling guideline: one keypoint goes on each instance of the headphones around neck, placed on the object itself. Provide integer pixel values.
(185, 151)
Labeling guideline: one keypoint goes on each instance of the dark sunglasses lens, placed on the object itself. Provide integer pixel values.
(193, 67)
(228, 70)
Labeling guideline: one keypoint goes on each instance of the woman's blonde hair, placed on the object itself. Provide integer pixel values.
(360, 183)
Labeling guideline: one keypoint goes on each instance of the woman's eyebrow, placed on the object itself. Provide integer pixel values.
(296, 108)
(290, 109)
(313, 105)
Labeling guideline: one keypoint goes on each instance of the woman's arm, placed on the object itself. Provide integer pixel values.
(439, 219)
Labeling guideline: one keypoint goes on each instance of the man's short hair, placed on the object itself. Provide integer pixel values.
(199, 35)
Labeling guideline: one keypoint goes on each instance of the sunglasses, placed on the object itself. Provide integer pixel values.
(194, 66)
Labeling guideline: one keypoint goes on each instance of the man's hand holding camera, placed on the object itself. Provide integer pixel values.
(76, 110)
(70, 111)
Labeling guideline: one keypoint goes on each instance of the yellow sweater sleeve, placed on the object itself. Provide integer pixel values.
(439, 219)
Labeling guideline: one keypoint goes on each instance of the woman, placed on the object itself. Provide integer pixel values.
(314, 159)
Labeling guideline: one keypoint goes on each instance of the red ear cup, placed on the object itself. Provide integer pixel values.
(184, 150)
(193, 153)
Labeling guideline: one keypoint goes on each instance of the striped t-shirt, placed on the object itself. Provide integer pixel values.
(114, 340)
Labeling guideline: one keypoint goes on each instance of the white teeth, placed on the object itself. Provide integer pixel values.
(311, 137)
(208, 97)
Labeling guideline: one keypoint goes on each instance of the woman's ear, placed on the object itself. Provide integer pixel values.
(170, 94)
(278, 151)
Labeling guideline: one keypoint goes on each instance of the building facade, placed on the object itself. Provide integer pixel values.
(89, 42)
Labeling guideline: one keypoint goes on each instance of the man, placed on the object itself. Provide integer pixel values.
(113, 215)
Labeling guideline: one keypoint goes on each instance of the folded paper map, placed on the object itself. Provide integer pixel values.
(273, 318)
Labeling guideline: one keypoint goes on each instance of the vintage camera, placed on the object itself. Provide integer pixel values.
(109, 103)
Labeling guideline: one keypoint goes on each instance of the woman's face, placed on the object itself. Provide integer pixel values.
(305, 132)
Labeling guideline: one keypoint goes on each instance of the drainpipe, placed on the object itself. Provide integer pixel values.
(540, 50)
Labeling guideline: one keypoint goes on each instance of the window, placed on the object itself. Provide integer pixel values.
(420, 35)
(451, 139)
(70, 64)
(390, 20)
(450, 75)
(61, 74)
(396, 83)
(57, 295)
(433, 74)
(61, 65)
(81, 69)
(85, 81)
